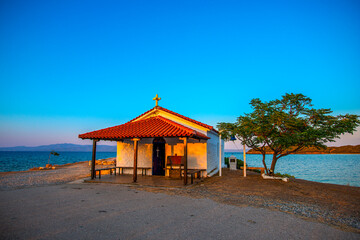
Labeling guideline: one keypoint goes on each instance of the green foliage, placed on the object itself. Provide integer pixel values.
(287, 125)
(239, 163)
(54, 153)
(284, 175)
(226, 160)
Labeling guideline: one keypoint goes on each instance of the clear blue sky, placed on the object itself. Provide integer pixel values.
(68, 67)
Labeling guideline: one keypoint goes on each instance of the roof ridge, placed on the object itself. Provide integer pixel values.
(187, 118)
(177, 124)
(178, 115)
(141, 115)
(191, 131)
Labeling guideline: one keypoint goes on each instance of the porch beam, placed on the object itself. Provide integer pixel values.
(136, 141)
(93, 159)
(185, 160)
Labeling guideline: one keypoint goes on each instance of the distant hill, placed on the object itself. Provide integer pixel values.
(62, 147)
(232, 150)
(348, 149)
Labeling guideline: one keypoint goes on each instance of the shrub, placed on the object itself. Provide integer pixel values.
(227, 162)
(239, 163)
(284, 175)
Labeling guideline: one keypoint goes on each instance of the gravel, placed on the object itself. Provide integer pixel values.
(60, 175)
(72, 172)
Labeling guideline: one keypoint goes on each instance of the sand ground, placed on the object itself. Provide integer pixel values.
(333, 204)
(101, 211)
(218, 208)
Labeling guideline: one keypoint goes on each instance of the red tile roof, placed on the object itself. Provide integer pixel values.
(146, 128)
(178, 115)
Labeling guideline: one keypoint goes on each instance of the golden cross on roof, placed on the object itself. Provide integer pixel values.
(156, 99)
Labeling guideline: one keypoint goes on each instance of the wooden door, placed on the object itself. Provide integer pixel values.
(158, 157)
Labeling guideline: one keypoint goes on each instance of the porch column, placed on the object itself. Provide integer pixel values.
(93, 159)
(185, 160)
(135, 140)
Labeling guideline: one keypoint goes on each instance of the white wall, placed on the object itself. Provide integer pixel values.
(125, 155)
(197, 156)
(196, 151)
(213, 152)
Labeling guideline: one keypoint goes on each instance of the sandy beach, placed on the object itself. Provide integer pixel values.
(62, 174)
(56, 204)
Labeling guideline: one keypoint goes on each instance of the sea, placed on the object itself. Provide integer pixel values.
(22, 161)
(343, 169)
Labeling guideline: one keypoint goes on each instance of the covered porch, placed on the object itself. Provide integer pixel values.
(151, 132)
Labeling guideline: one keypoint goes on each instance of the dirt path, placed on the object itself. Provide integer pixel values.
(112, 211)
(329, 203)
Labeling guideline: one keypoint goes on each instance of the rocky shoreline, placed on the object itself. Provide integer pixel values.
(57, 174)
(33, 178)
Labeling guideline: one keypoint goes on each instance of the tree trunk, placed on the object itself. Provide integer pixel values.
(273, 163)
(263, 160)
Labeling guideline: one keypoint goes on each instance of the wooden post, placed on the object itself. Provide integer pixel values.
(185, 160)
(93, 159)
(244, 161)
(136, 140)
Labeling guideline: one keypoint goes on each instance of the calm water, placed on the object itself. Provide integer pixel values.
(21, 161)
(338, 168)
(341, 169)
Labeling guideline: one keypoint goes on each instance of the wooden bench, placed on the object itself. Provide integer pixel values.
(194, 173)
(255, 168)
(143, 170)
(112, 169)
(121, 170)
(174, 163)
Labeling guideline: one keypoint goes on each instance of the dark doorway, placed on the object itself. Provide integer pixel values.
(158, 157)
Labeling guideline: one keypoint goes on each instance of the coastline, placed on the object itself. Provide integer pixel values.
(34, 178)
(304, 153)
(342, 169)
(61, 166)
(55, 165)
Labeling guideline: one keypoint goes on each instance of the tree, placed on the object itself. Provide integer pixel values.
(287, 126)
(249, 132)
(52, 153)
